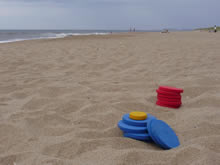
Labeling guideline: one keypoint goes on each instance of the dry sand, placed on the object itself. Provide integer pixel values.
(61, 99)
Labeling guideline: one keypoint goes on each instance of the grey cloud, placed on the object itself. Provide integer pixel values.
(109, 14)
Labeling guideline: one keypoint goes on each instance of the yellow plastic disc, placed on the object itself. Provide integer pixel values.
(137, 115)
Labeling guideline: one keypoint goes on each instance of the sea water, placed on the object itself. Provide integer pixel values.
(21, 35)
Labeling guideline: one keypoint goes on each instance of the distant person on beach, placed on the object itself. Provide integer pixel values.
(215, 28)
(165, 31)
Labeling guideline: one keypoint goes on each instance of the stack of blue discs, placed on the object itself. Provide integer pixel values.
(150, 129)
(135, 129)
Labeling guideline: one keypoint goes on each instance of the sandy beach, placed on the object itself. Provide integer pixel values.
(61, 99)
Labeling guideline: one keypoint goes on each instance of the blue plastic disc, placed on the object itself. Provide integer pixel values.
(150, 117)
(131, 129)
(141, 123)
(162, 134)
(144, 136)
(150, 134)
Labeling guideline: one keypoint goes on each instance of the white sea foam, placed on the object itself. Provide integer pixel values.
(52, 36)
(14, 40)
(62, 35)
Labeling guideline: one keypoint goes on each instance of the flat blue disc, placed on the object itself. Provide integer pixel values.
(141, 123)
(162, 134)
(131, 129)
(150, 134)
(150, 117)
(144, 136)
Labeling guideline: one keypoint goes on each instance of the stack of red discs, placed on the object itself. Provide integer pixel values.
(169, 97)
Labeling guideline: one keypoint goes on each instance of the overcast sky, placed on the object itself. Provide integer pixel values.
(108, 14)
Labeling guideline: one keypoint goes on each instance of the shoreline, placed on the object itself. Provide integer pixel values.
(61, 36)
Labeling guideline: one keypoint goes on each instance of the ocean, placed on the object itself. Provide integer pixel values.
(21, 35)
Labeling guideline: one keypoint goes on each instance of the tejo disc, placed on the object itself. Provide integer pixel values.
(168, 99)
(131, 129)
(162, 134)
(170, 103)
(165, 105)
(137, 115)
(167, 93)
(169, 96)
(140, 136)
(171, 89)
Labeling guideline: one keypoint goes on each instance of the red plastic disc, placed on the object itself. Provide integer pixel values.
(170, 103)
(167, 93)
(171, 89)
(165, 105)
(169, 99)
(169, 96)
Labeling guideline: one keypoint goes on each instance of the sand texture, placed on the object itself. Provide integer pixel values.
(61, 99)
